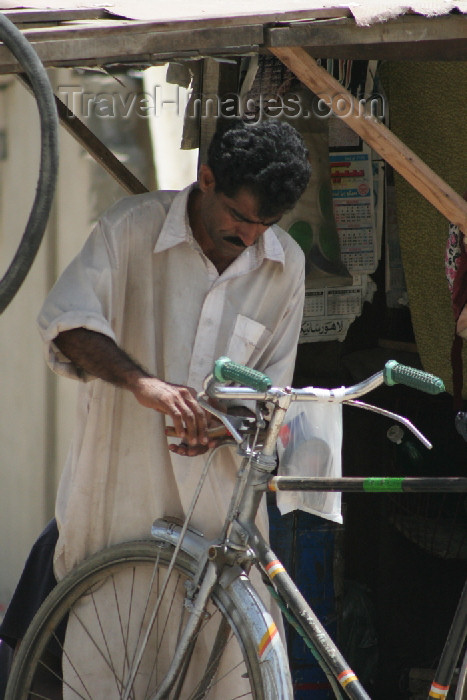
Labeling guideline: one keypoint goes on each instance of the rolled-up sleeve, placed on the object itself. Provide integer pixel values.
(81, 298)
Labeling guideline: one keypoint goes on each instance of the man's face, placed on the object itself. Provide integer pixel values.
(230, 224)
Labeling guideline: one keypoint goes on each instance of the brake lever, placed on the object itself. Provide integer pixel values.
(233, 424)
(389, 414)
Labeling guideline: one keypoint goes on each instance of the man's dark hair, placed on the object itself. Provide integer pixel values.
(269, 159)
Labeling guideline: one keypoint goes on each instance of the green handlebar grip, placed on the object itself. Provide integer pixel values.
(395, 373)
(225, 370)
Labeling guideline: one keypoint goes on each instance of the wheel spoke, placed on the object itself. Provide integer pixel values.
(107, 605)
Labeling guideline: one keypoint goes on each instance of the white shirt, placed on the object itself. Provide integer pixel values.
(142, 280)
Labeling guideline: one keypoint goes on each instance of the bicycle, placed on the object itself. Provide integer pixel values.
(220, 616)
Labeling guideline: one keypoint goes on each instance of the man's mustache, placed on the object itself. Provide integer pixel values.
(235, 240)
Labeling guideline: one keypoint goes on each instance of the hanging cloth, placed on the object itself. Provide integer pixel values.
(456, 273)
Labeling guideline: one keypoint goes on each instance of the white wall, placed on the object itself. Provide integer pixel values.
(22, 375)
(33, 432)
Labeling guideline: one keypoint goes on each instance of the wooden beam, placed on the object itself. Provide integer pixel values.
(99, 150)
(374, 133)
(101, 44)
(346, 32)
(410, 37)
(94, 146)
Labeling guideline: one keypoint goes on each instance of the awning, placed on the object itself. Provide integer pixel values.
(146, 32)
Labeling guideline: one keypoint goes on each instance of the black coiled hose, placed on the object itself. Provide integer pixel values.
(45, 188)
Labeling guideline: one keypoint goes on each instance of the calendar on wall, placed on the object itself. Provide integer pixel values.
(357, 180)
(358, 192)
(353, 202)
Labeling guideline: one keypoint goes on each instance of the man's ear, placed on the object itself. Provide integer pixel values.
(207, 181)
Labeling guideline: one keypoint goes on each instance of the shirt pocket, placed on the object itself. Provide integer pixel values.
(247, 337)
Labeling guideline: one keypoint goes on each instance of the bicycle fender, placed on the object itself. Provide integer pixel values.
(268, 646)
(194, 543)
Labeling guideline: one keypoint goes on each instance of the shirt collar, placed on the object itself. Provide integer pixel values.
(271, 245)
(176, 229)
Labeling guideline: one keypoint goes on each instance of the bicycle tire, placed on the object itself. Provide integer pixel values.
(45, 188)
(266, 675)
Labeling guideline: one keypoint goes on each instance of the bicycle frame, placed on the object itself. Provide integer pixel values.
(241, 544)
(303, 618)
(244, 544)
(260, 480)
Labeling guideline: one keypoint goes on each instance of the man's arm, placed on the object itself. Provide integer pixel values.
(100, 356)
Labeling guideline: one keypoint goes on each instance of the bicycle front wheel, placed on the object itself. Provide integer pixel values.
(83, 641)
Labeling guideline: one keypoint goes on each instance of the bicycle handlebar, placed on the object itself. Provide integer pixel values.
(395, 373)
(256, 385)
(225, 370)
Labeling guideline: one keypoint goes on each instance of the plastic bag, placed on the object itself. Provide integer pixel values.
(310, 444)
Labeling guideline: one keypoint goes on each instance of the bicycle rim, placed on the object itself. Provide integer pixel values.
(82, 642)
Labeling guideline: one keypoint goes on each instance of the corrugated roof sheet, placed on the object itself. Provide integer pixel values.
(366, 12)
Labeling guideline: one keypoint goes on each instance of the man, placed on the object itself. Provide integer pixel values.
(174, 280)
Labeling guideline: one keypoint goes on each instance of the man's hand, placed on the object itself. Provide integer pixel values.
(190, 421)
(98, 355)
(216, 433)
